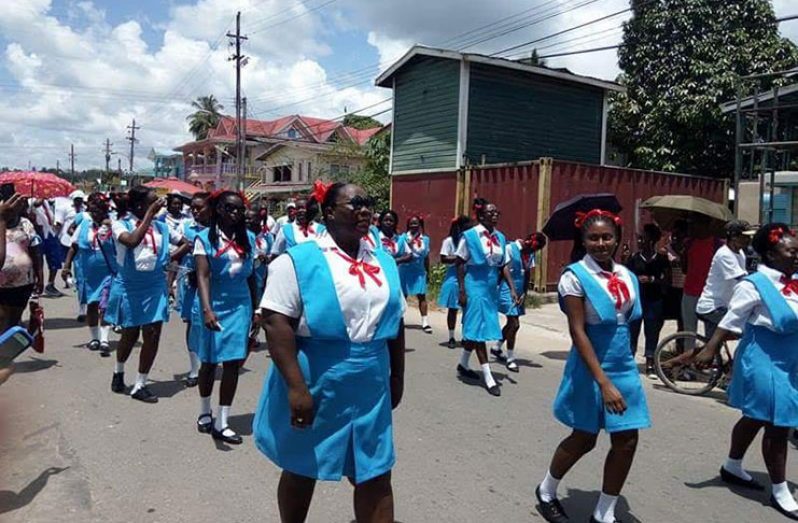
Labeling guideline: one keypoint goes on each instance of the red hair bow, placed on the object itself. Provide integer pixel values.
(581, 217)
(320, 191)
(777, 234)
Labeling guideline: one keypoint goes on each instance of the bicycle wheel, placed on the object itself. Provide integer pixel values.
(675, 370)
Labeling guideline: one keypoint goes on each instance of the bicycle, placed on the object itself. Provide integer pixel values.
(674, 365)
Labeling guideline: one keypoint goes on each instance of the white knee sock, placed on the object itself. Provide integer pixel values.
(195, 365)
(105, 331)
(205, 405)
(510, 355)
(119, 367)
(500, 345)
(605, 508)
(735, 466)
(451, 334)
(95, 332)
(464, 357)
(489, 382)
(548, 488)
(425, 321)
(220, 423)
(781, 491)
(141, 381)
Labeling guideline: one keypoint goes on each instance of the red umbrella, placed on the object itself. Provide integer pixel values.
(37, 185)
(173, 185)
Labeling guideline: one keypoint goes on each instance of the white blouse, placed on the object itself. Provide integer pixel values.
(280, 246)
(495, 255)
(236, 260)
(361, 308)
(746, 304)
(144, 254)
(448, 248)
(571, 286)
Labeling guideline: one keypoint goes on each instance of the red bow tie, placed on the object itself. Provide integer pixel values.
(307, 229)
(493, 240)
(790, 286)
(100, 237)
(617, 288)
(417, 242)
(361, 269)
(265, 229)
(367, 237)
(390, 244)
(151, 234)
(230, 244)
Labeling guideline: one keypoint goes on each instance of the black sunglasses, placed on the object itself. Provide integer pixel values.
(358, 202)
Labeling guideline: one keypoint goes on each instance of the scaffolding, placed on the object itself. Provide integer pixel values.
(766, 140)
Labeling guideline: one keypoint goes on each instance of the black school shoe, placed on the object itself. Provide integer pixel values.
(467, 373)
(786, 513)
(594, 520)
(494, 391)
(737, 481)
(235, 439)
(118, 383)
(452, 343)
(498, 354)
(144, 394)
(551, 511)
(93, 345)
(105, 350)
(204, 428)
(191, 382)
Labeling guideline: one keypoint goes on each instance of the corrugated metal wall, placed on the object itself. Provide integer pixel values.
(515, 190)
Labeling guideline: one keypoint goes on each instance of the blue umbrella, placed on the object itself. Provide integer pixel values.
(560, 225)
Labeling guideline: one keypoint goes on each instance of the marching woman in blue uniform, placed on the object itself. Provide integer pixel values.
(449, 295)
(223, 254)
(333, 315)
(303, 229)
(601, 387)
(94, 258)
(764, 310)
(482, 255)
(138, 301)
(414, 273)
(521, 256)
(190, 229)
(264, 240)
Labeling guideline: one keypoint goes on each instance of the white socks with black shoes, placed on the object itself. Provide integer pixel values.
(105, 331)
(195, 364)
(95, 332)
(735, 466)
(605, 508)
(220, 423)
(141, 382)
(489, 381)
(547, 490)
(783, 496)
(464, 357)
(205, 409)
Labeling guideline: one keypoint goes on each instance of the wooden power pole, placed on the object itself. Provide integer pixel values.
(238, 58)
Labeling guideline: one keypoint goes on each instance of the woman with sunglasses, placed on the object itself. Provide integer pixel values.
(325, 410)
(521, 256)
(303, 229)
(224, 254)
(449, 295)
(481, 256)
(93, 253)
(414, 273)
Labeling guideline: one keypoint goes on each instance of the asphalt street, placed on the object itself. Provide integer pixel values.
(72, 451)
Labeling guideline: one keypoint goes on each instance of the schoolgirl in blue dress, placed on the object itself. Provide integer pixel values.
(338, 363)
(303, 229)
(764, 310)
(601, 387)
(521, 256)
(449, 295)
(138, 301)
(414, 272)
(391, 241)
(482, 256)
(94, 258)
(224, 255)
(264, 240)
(188, 295)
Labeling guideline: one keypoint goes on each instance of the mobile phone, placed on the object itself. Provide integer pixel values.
(7, 190)
(13, 342)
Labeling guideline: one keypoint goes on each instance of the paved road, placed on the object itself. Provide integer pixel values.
(71, 451)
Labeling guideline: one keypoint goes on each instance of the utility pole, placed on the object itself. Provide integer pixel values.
(239, 60)
(108, 145)
(58, 167)
(132, 139)
(119, 167)
(72, 161)
(244, 137)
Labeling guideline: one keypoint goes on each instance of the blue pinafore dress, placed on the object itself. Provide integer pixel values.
(94, 268)
(188, 291)
(290, 234)
(481, 313)
(352, 432)
(231, 302)
(140, 297)
(263, 246)
(506, 304)
(579, 404)
(764, 383)
(413, 274)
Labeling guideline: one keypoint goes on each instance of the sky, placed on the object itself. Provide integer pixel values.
(77, 72)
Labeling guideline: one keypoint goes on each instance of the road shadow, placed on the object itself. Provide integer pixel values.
(749, 494)
(445, 345)
(166, 389)
(33, 365)
(560, 355)
(242, 423)
(409, 350)
(10, 501)
(61, 323)
(523, 362)
(579, 505)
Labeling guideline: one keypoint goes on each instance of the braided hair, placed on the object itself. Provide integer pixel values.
(240, 236)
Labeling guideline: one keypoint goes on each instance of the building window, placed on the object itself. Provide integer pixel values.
(282, 173)
(338, 170)
(301, 174)
(310, 172)
(292, 134)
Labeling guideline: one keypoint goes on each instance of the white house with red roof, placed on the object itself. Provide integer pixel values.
(282, 156)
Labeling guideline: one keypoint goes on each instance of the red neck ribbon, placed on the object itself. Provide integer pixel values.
(493, 240)
(150, 234)
(790, 286)
(361, 269)
(617, 288)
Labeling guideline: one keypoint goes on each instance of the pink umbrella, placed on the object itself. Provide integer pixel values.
(173, 185)
(36, 184)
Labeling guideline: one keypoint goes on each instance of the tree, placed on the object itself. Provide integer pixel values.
(534, 59)
(374, 177)
(680, 60)
(206, 116)
(360, 122)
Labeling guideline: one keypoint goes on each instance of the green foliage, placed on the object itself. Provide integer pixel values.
(361, 122)
(206, 116)
(436, 274)
(374, 177)
(680, 59)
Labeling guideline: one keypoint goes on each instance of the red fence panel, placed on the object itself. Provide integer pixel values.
(514, 190)
(433, 196)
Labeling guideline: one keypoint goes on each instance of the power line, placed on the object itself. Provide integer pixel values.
(300, 15)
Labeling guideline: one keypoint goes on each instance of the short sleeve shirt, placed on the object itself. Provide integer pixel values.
(495, 255)
(727, 268)
(746, 305)
(18, 268)
(571, 286)
(145, 253)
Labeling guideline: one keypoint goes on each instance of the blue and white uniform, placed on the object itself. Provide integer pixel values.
(188, 292)
(763, 384)
(449, 296)
(372, 239)
(395, 246)
(579, 403)
(292, 234)
(231, 301)
(484, 254)
(519, 265)
(342, 337)
(414, 273)
(138, 293)
(95, 260)
(263, 247)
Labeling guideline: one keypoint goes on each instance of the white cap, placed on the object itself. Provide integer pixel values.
(77, 194)
(290, 205)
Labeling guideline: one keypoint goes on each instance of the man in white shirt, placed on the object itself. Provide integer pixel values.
(288, 217)
(727, 269)
(44, 213)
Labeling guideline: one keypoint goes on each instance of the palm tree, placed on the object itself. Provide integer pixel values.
(206, 116)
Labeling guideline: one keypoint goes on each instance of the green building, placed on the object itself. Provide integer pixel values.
(453, 109)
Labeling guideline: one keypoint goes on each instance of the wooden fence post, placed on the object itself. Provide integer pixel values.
(544, 209)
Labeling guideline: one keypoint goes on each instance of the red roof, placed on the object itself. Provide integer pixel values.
(315, 129)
